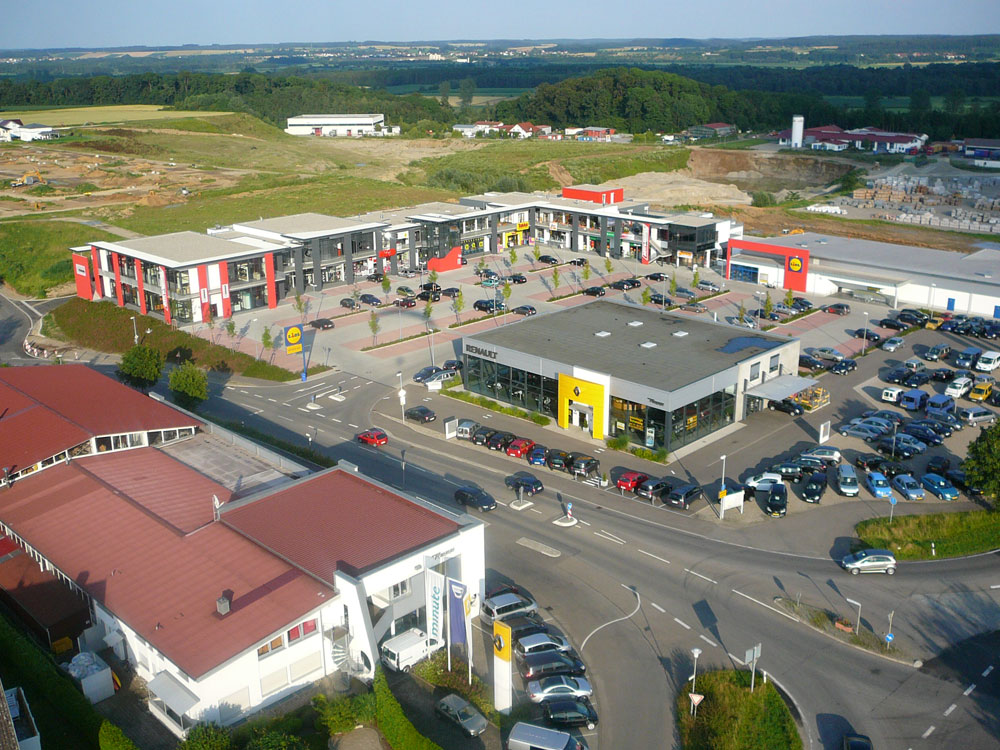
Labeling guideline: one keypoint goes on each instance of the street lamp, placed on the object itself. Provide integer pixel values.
(695, 652)
(402, 397)
(858, 605)
(135, 332)
(864, 342)
(310, 439)
(722, 485)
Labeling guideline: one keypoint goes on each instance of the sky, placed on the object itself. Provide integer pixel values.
(121, 23)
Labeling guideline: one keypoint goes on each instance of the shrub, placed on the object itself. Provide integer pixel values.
(619, 443)
(392, 722)
(763, 199)
(435, 671)
(343, 714)
(189, 384)
(111, 737)
(207, 737)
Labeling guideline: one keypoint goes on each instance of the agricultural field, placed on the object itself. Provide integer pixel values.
(897, 103)
(34, 255)
(70, 116)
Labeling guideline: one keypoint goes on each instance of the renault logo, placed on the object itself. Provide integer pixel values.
(576, 391)
(498, 642)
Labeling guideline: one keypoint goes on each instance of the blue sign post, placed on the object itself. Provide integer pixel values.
(892, 506)
(889, 637)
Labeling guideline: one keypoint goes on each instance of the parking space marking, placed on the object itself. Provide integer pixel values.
(709, 641)
(655, 557)
(995, 586)
(927, 734)
(987, 671)
(585, 523)
(658, 608)
(688, 570)
(336, 420)
(947, 711)
(302, 408)
(610, 537)
(273, 400)
(257, 395)
(243, 391)
(535, 510)
(682, 624)
(766, 606)
(969, 689)
(353, 425)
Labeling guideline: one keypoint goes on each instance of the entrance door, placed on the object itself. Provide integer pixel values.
(996, 311)
(951, 304)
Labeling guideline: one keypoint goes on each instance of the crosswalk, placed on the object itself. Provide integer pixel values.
(592, 481)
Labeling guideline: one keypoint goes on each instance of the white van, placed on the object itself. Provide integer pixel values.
(532, 737)
(958, 387)
(892, 394)
(465, 428)
(401, 652)
(847, 480)
(988, 361)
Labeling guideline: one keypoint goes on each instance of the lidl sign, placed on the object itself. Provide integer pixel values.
(293, 339)
(795, 264)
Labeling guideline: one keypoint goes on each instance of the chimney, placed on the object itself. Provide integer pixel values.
(222, 604)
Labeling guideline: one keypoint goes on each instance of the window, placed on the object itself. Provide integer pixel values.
(268, 648)
(773, 364)
(305, 628)
(755, 371)
(400, 589)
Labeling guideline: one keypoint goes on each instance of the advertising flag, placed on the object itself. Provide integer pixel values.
(456, 611)
(434, 593)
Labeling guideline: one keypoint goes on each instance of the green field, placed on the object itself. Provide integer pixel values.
(953, 534)
(66, 116)
(896, 103)
(34, 255)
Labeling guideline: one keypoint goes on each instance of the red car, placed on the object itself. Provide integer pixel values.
(520, 448)
(630, 480)
(373, 437)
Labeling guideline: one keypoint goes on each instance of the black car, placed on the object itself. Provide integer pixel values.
(371, 299)
(580, 262)
(808, 362)
(621, 285)
(551, 260)
(893, 324)
(899, 451)
(453, 364)
(896, 375)
(870, 335)
(658, 276)
(653, 488)
(923, 434)
(891, 469)
(776, 504)
(517, 278)
(938, 465)
(917, 379)
(521, 626)
(940, 428)
(760, 312)
(632, 283)
(815, 486)
(943, 374)
(582, 464)
(350, 303)
(908, 319)
(838, 309)
(800, 304)
(526, 483)
(958, 478)
(844, 366)
(525, 310)
(420, 414)
(557, 460)
(788, 470)
(322, 324)
(576, 712)
(683, 496)
(809, 464)
(918, 315)
(376, 277)
(484, 305)
(500, 441)
(869, 461)
(431, 286)
(857, 742)
(594, 291)
(425, 372)
(786, 405)
(659, 300)
(428, 296)
(451, 292)
(890, 416)
(474, 497)
(405, 302)
(482, 435)
(546, 663)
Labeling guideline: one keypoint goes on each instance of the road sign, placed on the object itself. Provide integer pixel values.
(889, 637)
(892, 499)
(752, 654)
(824, 432)
(696, 698)
(293, 339)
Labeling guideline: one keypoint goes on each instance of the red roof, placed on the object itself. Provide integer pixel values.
(46, 409)
(717, 125)
(338, 520)
(43, 596)
(160, 583)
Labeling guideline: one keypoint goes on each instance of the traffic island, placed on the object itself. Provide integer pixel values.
(731, 717)
(857, 632)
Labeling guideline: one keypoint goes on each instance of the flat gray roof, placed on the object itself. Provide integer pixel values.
(306, 225)
(182, 248)
(687, 349)
(916, 263)
(521, 199)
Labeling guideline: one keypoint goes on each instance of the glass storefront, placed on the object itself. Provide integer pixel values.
(738, 272)
(526, 390)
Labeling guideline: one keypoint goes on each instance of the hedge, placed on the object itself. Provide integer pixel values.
(392, 722)
(309, 454)
(111, 737)
(435, 671)
(487, 403)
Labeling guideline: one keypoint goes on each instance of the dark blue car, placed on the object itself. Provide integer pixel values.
(537, 455)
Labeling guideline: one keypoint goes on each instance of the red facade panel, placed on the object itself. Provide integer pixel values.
(272, 287)
(95, 257)
(796, 261)
(166, 294)
(81, 273)
(227, 304)
(138, 281)
(203, 295)
(116, 263)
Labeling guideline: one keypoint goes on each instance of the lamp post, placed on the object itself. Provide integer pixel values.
(722, 484)
(864, 342)
(402, 397)
(695, 652)
(310, 439)
(930, 296)
(135, 332)
(857, 629)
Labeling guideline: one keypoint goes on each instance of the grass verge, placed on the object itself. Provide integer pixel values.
(732, 718)
(487, 403)
(840, 627)
(953, 534)
(480, 319)
(266, 438)
(34, 255)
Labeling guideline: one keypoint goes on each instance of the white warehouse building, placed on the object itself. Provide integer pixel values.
(342, 126)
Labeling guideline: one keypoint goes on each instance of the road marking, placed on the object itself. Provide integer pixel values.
(927, 734)
(354, 377)
(655, 557)
(257, 395)
(585, 523)
(658, 608)
(301, 408)
(273, 400)
(682, 624)
(282, 416)
(355, 387)
(535, 510)
(688, 570)
(988, 670)
(368, 382)
(969, 689)
(610, 537)
(638, 606)
(995, 586)
(766, 606)
(243, 391)
(336, 420)
(353, 425)
(709, 641)
(501, 502)
(736, 659)
(950, 708)
(539, 547)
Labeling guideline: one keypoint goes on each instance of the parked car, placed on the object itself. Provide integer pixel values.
(938, 486)
(868, 461)
(746, 321)
(869, 334)
(788, 470)
(707, 286)
(857, 742)
(908, 487)
(377, 276)
(425, 372)
(321, 324)
(870, 561)
(350, 303)
(825, 453)
(942, 374)
(960, 481)
(878, 485)
(868, 433)
(893, 324)
(373, 436)
(762, 481)
(576, 712)
(524, 482)
(801, 303)
(453, 364)
(579, 262)
(958, 387)
(581, 464)
(405, 302)
(843, 367)
(556, 687)
(557, 460)
(630, 480)
(550, 663)
(500, 441)
(537, 455)
(475, 497)
(685, 293)
(913, 443)
(659, 300)
(893, 469)
(815, 486)
(826, 352)
(682, 496)
(657, 276)
(524, 310)
(925, 435)
(594, 291)
(894, 450)
(420, 414)
(550, 259)
(371, 299)
(482, 435)
(807, 362)
(786, 405)
(451, 292)
(653, 489)
(938, 465)
(428, 296)
(776, 504)
(517, 278)
(695, 307)
(840, 308)
(893, 344)
(520, 448)
(462, 714)
(917, 379)
(896, 375)
(405, 291)
(937, 352)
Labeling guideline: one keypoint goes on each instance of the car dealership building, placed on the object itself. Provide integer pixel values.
(663, 380)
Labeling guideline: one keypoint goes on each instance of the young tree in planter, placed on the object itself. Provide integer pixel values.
(210, 322)
(481, 265)
(555, 279)
(608, 265)
(231, 332)
(141, 367)
(507, 291)
(432, 277)
(536, 252)
(695, 279)
(265, 340)
(586, 271)
(374, 326)
(428, 311)
(386, 286)
(301, 305)
(458, 304)
(742, 312)
(673, 284)
(647, 296)
(513, 256)
(189, 384)
(789, 297)
(355, 295)
(768, 305)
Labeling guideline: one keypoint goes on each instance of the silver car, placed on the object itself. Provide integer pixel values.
(866, 432)
(463, 714)
(558, 686)
(870, 561)
(893, 344)
(825, 352)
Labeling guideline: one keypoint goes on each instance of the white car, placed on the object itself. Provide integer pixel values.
(891, 345)
(558, 686)
(882, 425)
(746, 322)
(827, 454)
(763, 481)
(825, 352)
(958, 387)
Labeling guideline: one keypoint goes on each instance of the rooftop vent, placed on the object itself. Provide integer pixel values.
(635, 323)
(602, 334)
(647, 344)
(680, 333)
(222, 604)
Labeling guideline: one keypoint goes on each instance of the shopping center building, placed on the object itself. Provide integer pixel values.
(663, 380)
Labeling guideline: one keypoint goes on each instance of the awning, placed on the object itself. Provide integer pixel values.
(113, 638)
(781, 387)
(178, 698)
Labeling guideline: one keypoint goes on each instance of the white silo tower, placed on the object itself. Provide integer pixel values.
(798, 125)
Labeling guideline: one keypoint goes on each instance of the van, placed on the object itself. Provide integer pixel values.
(968, 357)
(401, 652)
(958, 387)
(847, 480)
(505, 605)
(914, 365)
(976, 415)
(981, 391)
(466, 428)
(533, 737)
(988, 361)
(940, 402)
(914, 400)
(892, 395)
